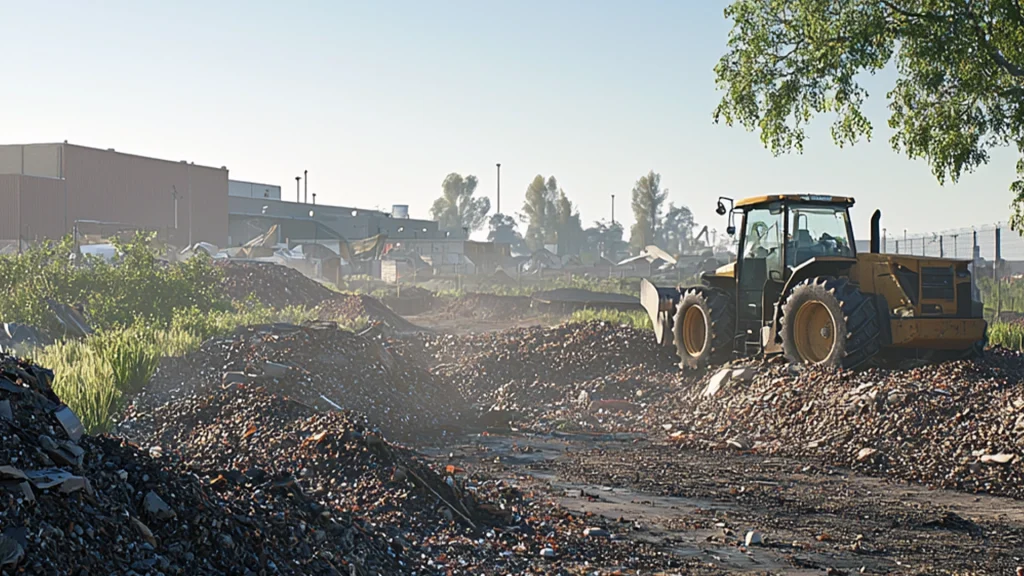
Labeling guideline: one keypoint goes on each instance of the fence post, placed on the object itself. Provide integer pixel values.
(996, 275)
(897, 246)
(942, 251)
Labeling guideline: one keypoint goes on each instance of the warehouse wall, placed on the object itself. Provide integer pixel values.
(115, 187)
(9, 185)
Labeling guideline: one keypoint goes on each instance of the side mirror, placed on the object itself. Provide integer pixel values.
(721, 209)
(730, 230)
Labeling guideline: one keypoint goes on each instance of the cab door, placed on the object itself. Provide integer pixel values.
(760, 267)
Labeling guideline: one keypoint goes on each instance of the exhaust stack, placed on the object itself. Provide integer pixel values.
(876, 237)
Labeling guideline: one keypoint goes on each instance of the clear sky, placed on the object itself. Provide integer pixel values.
(380, 99)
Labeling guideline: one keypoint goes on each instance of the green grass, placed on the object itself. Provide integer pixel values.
(636, 319)
(97, 375)
(1006, 335)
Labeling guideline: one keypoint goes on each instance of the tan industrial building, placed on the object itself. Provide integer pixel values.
(50, 190)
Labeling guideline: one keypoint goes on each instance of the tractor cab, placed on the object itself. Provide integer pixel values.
(779, 233)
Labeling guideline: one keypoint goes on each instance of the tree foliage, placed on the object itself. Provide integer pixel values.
(959, 92)
(504, 229)
(136, 286)
(457, 208)
(677, 229)
(539, 212)
(605, 238)
(551, 217)
(647, 202)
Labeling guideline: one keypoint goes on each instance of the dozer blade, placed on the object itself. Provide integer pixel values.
(660, 304)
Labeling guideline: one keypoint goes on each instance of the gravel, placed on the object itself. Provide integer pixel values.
(321, 366)
(953, 425)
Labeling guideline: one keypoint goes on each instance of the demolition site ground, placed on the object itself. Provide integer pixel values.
(482, 436)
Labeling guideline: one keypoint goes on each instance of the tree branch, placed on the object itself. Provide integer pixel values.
(997, 56)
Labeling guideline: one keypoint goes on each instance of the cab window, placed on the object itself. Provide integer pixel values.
(816, 231)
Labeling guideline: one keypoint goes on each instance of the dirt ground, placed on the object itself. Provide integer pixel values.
(700, 507)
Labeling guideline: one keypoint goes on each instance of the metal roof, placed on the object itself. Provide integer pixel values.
(825, 198)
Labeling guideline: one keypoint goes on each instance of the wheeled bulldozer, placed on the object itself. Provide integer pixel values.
(799, 288)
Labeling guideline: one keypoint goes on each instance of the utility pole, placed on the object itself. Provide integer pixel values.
(499, 187)
(188, 168)
(305, 184)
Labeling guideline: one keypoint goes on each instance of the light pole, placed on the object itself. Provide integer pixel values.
(499, 187)
(188, 169)
(613, 209)
(298, 199)
(305, 185)
(174, 194)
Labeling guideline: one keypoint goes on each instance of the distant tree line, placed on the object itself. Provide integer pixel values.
(551, 219)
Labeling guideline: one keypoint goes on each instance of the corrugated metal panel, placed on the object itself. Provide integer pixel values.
(42, 160)
(111, 186)
(9, 200)
(42, 208)
(10, 159)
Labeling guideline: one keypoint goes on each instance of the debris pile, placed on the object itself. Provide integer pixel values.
(75, 504)
(292, 460)
(543, 375)
(489, 307)
(952, 425)
(355, 308)
(272, 284)
(320, 366)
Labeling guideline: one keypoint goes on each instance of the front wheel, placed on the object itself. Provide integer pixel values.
(828, 321)
(704, 327)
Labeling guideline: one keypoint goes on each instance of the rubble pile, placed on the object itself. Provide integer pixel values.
(242, 439)
(320, 366)
(271, 284)
(75, 504)
(353, 308)
(952, 425)
(542, 375)
(489, 307)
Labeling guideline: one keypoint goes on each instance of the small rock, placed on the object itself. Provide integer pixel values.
(596, 533)
(548, 553)
(156, 507)
(866, 454)
(753, 539)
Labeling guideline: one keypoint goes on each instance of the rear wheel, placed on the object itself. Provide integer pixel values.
(828, 321)
(703, 327)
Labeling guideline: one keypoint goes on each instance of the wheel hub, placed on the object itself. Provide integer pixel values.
(814, 332)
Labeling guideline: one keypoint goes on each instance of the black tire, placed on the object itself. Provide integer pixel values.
(852, 318)
(716, 309)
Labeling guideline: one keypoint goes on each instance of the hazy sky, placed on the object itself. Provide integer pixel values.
(380, 99)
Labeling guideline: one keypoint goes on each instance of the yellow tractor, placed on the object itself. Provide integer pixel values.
(799, 288)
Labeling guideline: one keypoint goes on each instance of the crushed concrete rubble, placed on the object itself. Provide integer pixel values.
(321, 366)
(279, 287)
(271, 284)
(953, 425)
(543, 378)
(239, 480)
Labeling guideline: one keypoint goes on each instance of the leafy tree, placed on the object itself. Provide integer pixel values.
(503, 228)
(605, 238)
(677, 229)
(457, 208)
(648, 200)
(959, 91)
(539, 212)
(568, 227)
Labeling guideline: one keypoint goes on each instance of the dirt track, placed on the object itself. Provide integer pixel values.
(814, 520)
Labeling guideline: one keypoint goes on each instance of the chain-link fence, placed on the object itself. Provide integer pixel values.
(989, 242)
(998, 262)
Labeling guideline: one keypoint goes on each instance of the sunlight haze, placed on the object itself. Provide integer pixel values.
(381, 100)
